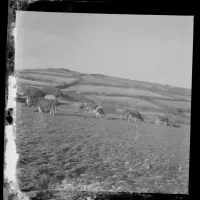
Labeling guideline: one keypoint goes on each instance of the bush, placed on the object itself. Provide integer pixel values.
(43, 195)
(44, 182)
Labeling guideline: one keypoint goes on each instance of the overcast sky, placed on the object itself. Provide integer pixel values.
(148, 48)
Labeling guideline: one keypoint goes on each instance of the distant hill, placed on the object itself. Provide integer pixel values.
(57, 76)
(112, 92)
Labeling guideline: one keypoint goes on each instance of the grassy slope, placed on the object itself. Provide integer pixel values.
(111, 81)
(47, 78)
(88, 152)
(176, 104)
(116, 90)
(104, 154)
(145, 96)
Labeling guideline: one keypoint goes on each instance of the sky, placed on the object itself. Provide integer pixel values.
(148, 48)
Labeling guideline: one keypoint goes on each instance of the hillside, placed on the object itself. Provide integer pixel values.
(112, 92)
(74, 151)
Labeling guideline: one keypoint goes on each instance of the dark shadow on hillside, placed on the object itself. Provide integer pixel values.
(64, 103)
(113, 118)
(69, 114)
(67, 85)
(77, 115)
(62, 114)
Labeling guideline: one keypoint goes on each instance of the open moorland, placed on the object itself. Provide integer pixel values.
(74, 150)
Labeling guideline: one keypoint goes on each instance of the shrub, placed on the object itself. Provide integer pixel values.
(42, 195)
(43, 182)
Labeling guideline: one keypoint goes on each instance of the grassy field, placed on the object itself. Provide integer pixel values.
(115, 90)
(176, 104)
(148, 109)
(121, 101)
(47, 78)
(73, 149)
(113, 93)
(33, 83)
(98, 79)
(54, 74)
